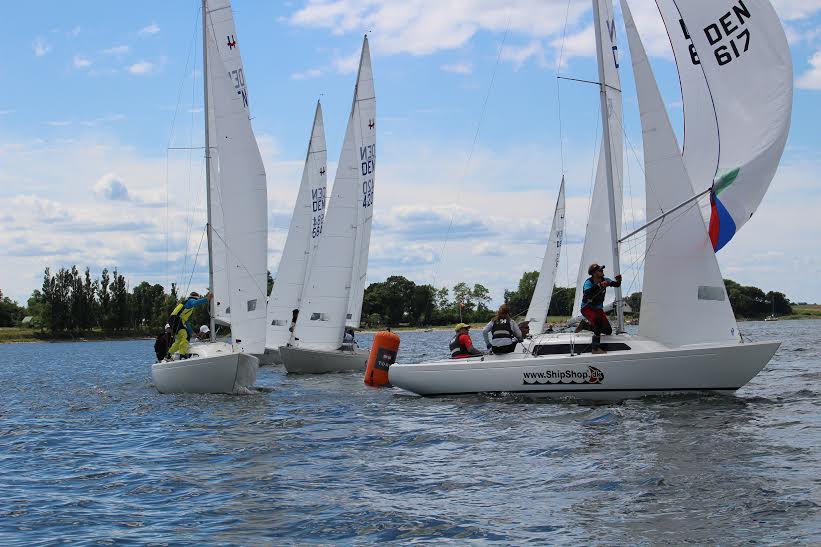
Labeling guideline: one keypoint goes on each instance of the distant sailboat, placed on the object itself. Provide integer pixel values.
(237, 241)
(542, 294)
(300, 245)
(335, 285)
(688, 338)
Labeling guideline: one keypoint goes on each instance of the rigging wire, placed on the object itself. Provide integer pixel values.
(194, 266)
(472, 147)
(559, 63)
(169, 147)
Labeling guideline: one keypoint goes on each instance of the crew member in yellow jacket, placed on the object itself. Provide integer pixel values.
(179, 321)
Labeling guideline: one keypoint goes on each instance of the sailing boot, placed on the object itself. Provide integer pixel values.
(597, 349)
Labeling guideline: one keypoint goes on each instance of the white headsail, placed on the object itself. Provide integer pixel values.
(683, 300)
(737, 86)
(244, 202)
(336, 280)
(540, 302)
(598, 244)
(303, 237)
(222, 32)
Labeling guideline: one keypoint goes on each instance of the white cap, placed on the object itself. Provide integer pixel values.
(204, 329)
(167, 326)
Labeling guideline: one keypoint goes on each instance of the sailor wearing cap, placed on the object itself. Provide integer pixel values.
(461, 346)
(594, 291)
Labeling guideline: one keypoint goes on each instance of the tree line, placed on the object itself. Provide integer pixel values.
(73, 303)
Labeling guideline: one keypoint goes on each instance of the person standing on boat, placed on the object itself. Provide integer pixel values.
(593, 303)
(461, 346)
(502, 334)
(179, 321)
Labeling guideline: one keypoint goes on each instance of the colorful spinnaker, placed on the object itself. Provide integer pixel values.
(736, 78)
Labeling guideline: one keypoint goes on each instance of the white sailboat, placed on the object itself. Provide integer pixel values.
(688, 338)
(542, 294)
(334, 288)
(300, 246)
(237, 241)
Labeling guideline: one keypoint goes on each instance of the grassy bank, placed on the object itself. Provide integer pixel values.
(810, 311)
(11, 335)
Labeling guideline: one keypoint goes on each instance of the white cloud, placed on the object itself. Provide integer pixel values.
(519, 54)
(81, 62)
(109, 118)
(348, 64)
(111, 187)
(40, 46)
(458, 68)
(792, 10)
(117, 50)
(307, 74)
(141, 67)
(421, 27)
(58, 123)
(811, 79)
(153, 28)
(74, 32)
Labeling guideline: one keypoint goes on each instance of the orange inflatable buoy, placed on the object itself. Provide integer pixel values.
(383, 354)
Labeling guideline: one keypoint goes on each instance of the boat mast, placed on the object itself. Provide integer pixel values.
(207, 166)
(605, 113)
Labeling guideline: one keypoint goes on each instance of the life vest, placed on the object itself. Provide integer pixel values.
(594, 297)
(502, 332)
(179, 317)
(457, 348)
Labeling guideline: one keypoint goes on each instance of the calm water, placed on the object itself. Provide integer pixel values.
(90, 452)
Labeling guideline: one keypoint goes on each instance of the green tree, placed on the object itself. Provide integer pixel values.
(10, 312)
(270, 282)
(634, 301)
(519, 300)
(422, 305)
(561, 303)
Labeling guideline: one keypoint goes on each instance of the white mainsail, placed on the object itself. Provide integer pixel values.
(598, 243)
(303, 236)
(540, 301)
(683, 299)
(366, 139)
(736, 78)
(244, 201)
(336, 280)
(222, 32)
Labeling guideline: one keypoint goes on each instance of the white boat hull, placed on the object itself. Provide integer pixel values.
(270, 357)
(312, 361)
(647, 369)
(214, 368)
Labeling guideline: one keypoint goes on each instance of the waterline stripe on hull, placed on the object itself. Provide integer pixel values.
(603, 390)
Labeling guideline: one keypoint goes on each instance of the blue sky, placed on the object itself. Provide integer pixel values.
(93, 88)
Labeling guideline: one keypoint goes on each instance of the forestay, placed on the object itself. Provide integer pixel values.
(737, 86)
(540, 302)
(303, 237)
(339, 266)
(220, 26)
(598, 244)
(683, 300)
(244, 207)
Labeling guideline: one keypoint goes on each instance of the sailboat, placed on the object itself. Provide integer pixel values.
(300, 245)
(237, 224)
(333, 292)
(542, 294)
(688, 339)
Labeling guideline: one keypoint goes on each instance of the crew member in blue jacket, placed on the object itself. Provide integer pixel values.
(594, 290)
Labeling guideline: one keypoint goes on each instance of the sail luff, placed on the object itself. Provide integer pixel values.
(208, 200)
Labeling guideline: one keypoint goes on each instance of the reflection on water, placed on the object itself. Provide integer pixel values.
(90, 451)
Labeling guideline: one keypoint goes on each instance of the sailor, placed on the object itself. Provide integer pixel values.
(461, 346)
(349, 337)
(502, 333)
(524, 327)
(179, 322)
(204, 333)
(163, 342)
(594, 290)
